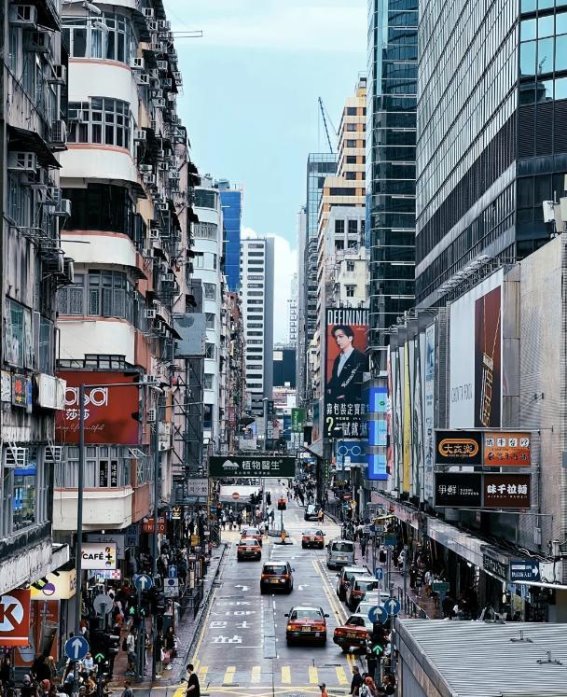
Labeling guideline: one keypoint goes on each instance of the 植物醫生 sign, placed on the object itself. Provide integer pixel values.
(243, 466)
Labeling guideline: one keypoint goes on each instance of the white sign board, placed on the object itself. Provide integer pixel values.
(98, 555)
(117, 539)
(198, 487)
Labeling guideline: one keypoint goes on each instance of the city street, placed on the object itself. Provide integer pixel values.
(242, 648)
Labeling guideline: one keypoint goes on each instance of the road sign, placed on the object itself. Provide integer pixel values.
(392, 606)
(102, 604)
(143, 582)
(76, 647)
(171, 587)
(524, 570)
(390, 541)
(378, 613)
(15, 618)
(378, 573)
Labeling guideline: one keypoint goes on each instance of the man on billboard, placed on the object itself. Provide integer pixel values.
(345, 383)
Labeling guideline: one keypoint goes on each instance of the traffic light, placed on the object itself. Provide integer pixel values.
(282, 504)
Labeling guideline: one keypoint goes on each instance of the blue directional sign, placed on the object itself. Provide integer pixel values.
(378, 573)
(378, 613)
(524, 570)
(392, 606)
(143, 582)
(76, 648)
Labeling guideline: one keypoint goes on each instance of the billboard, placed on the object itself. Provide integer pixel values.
(507, 450)
(458, 448)
(98, 555)
(476, 356)
(110, 412)
(457, 490)
(346, 363)
(297, 420)
(244, 466)
(15, 618)
(507, 490)
(429, 411)
(482, 490)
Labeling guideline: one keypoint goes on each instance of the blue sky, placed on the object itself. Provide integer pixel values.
(250, 95)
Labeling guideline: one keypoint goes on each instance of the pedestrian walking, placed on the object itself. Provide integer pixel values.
(363, 543)
(321, 516)
(127, 691)
(356, 682)
(193, 686)
(131, 651)
(323, 688)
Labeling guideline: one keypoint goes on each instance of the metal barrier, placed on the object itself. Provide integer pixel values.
(191, 600)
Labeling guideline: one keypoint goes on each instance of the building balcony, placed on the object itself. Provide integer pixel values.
(97, 335)
(110, 508)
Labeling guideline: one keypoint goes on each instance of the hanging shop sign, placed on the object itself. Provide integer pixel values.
(458, 490)
(495, 563)
(148, 525)
(57, 585)
(15, 618)
(507, 449)
(118, 539)
(458, 447)
(98, 555)
(242, 466)
(507, 490)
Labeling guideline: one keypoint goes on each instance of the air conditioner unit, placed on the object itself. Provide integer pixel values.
(160, 154)
(158, 103)
(152, 25)
(148, 252)
(53, 454)
(150, 314)
(59, 75)
(167, 83)
(148, 12)
(142, 79)
(161, 65)
(173, 174)
(154, 234)
(140, 134)
(164, 24)
(69, 269)
(19, 161)
(59, 133)
(63, 209)
(163, 207)
(177, 76)
(23, 15)
(163, 167)
(15, 456)
(149, 179)
(148, 379)
(38, 42)
(54, 262)
(145, 169)
(137, 63)
(169, 277)
(151, 415)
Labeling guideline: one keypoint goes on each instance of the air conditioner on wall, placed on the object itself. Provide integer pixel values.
(23, 15)
(154, 233)
(161, 65)
(145, 169)
(37, 42)
(143, 79)
(140, 134)
(59, 75)
(151, 415)
(150, 314)
(137, 63)
(148, 12)
(19, 161)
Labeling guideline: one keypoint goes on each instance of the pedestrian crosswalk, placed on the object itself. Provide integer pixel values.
(331, 674)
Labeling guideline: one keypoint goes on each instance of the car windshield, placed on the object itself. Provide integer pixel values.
(356, 621)
(313, 532)
(366, 585)
(342, 546)
(311, 509)
(275, 569)
(248, 543)
(305, 614)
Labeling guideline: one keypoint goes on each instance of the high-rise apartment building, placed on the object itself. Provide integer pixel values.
(491, 140)
(292, 304)
(231, 201)
(257, 291)
(33, 266)
(390, 165)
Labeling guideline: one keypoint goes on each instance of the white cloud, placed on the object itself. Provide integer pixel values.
(293, 25)
(285, 265)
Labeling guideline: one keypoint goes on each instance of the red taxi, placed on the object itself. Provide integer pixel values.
(354, 634)
(276, 576)
(306, 624)
(252, 532)
(313, 538)
(357, 589)
(248, 548)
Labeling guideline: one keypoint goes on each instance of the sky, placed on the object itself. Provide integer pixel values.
(249, 101)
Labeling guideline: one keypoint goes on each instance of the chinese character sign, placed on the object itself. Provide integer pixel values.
(507, 491)
(458, 448)
(453, 489)
(346, 363)
(507, 450)
(244, 466)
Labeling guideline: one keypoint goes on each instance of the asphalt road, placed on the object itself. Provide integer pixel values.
(242, 648)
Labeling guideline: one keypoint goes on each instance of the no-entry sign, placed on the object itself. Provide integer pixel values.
(15, 618)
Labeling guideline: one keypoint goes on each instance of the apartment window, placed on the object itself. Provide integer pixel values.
(199, 260)
(209, 381)
(339, 245)
(350, 266)
(351, 111)
(20, 201)
(210, 290)
(210, 350)
(341, 191)
(351, 159)
(339, 227)
(105, 121)
(106, 467)
(205, 231)
(206, 199)
(99, 293)
(351, 144)
(106, 37)
(350, 291)
(210, 320)
(351, 176)
(352, 227)
(351, 127)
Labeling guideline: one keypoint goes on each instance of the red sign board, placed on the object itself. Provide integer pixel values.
(15, 618)
(148, 525)
(109, 411)
(506, 490)
(507, 450)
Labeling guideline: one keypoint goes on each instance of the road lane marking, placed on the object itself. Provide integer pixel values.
(256, 674)
(229, 675)
(341, 676)
(286, 675)
(203, 673)
(313, 675)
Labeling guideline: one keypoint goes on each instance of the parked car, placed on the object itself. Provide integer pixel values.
(276, 576)
(354, 633)
(313, 538)
(372, 599)
(346, 576)
(340, 553)
(357, 590)
(311, 512)
(306, 624)
(252, 532)
(248, 548)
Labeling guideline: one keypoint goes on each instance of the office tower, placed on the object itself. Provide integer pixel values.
(128, 178)
(208, 250)
(231, 201)
(257, 291)
(292, 303)
(390, 161)
(491, 143)
(32, 268)
(284, 365)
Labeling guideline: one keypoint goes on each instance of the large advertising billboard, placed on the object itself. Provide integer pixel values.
(429, 411)
(110, 412)
(476, 356)
(346, 363)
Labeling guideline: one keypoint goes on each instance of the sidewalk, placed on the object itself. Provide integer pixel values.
(186, 632)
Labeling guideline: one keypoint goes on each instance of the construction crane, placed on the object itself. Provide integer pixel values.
(326, 116)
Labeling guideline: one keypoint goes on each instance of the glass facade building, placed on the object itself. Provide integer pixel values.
(391, 168)
(492, 142)
(231, 200)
